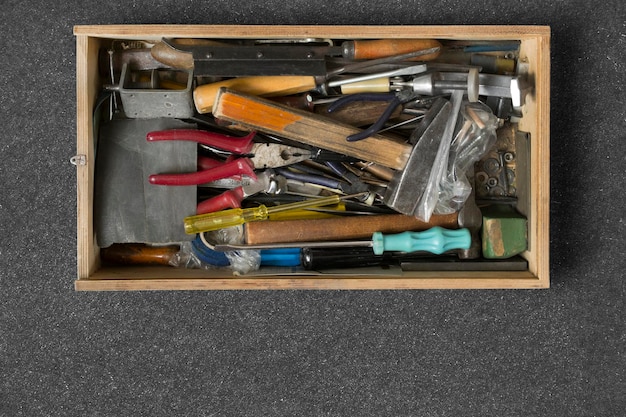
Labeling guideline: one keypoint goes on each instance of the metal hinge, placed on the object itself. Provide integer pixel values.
(78, 160)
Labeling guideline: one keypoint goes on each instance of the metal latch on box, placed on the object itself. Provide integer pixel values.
(78, 160)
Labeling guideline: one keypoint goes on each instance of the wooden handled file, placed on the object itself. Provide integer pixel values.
(340, 228)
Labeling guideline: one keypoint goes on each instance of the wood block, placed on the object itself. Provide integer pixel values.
(504, 232)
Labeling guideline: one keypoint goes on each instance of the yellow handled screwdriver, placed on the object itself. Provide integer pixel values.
(234, 217)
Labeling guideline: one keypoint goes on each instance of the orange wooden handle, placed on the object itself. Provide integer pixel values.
(138, 254)
(312, 129)
(372, 49)
(267, 86)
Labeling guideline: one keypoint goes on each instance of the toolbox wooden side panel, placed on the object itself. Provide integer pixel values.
(536, 121)
(163, 278)
(86, 91)
(150, 32)
(535, 48)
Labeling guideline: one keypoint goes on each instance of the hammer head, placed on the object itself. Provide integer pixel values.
(407, 186)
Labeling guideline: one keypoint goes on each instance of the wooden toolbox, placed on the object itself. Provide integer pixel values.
(534, 55)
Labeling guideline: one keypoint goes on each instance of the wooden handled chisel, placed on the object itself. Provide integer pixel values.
(263, 115)
(340, 228)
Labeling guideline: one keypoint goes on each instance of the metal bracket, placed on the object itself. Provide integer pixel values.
(152, 100)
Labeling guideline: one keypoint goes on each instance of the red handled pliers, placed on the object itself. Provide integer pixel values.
(265, 182)
(246, 155)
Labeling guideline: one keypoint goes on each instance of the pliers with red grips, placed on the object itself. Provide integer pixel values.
(246, 156)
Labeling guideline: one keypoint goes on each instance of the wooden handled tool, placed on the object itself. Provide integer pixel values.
(340, 228)
(208, 57)
(358, 227)
(372, 49)
(355, 114)
(138, 254)
(263, 85)
(258, 114)
(166, 54)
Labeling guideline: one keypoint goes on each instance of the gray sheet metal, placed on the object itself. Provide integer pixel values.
(127, 208)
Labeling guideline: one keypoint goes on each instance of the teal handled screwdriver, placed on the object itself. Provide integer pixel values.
(435, 240)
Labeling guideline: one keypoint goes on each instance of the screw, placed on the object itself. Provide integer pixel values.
(491, 166)
(482, 177)
(497, 192)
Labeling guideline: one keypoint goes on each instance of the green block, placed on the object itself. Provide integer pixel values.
(504, 232)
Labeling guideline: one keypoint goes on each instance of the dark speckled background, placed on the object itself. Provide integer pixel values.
(560, 352)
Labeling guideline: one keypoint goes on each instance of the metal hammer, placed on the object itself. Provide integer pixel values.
(414, 190)
(407, 188)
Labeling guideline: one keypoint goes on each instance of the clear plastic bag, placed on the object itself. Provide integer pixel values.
(429, 198)
(472, 142)
(197, 255)
(241, 261)
(186, 258)
(448, 186)
(244, 261)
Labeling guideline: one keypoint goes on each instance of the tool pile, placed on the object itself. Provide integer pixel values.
(310, 153)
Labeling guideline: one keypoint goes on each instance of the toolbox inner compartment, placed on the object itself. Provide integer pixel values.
(532, 174)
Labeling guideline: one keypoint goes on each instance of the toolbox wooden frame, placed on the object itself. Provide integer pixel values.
(534, 52)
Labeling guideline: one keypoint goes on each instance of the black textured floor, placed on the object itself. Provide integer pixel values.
(560, 352)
